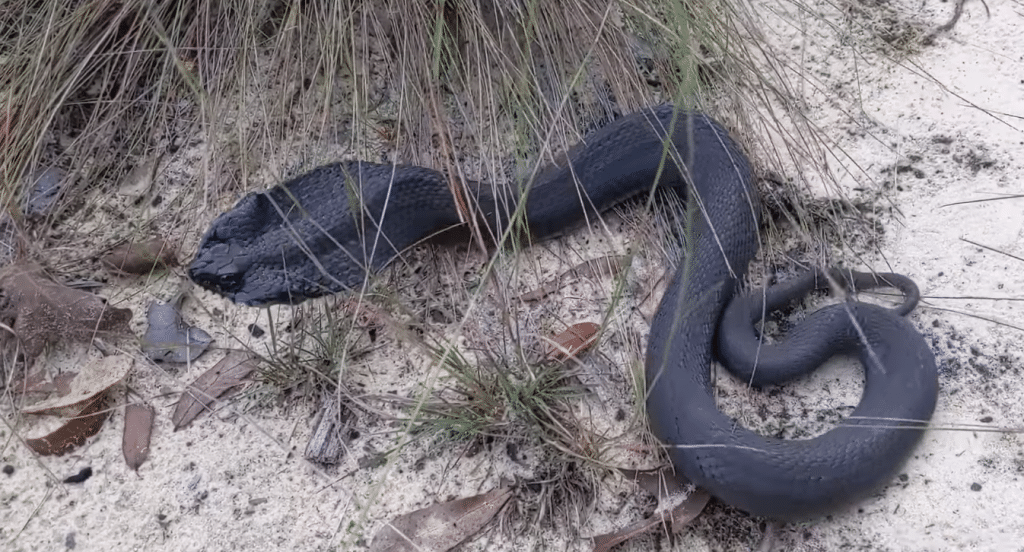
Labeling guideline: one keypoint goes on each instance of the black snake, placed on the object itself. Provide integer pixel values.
(324, 231)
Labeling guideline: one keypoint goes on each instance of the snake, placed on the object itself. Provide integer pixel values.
(330, 229)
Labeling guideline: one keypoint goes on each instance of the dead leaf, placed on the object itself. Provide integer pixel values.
(73, 434)
(138, 426)
(669, 487)
(168, 338)
(676, 506)
(691, 507)
(604, 543)
(226, 374)
(36, 383)
(140, 257)
(93, 380)
(440, 527)
(574, 340)
(48, 312)
(610, 265)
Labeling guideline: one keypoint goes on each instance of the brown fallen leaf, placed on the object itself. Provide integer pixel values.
(669, 490)
(95, 379)
(574, 340)
(668, 487)
(691, 507)
(48, 312)
(36, 383)
(440, 527)
(140, 257)
(75, 431)
(226, 374)
(138, 427)
(610, 265)
(604, 543)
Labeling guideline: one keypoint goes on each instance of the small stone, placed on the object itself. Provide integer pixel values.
(43, 187)
(168, 338)
(80, 477)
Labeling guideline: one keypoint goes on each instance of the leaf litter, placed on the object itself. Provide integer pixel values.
(138, 428)
(440, 527)
(609, 265)
(677, 506)
(75, 431)
(36, 383)
(48, 312)
(140, 180)
(574, 340)
(140, 258)
(229, 373)
(94, 379)
(83, 402)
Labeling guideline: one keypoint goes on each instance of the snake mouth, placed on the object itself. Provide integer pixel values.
(224, 284)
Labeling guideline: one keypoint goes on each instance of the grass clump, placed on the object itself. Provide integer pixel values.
(503, 402)
(525, 413)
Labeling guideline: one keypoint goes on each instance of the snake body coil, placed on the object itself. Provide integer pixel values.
(326, 230)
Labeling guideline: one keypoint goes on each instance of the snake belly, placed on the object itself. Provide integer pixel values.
(328, 230)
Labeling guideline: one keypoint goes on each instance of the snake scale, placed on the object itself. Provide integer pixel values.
(327, 230)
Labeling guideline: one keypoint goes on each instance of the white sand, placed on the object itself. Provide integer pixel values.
(949, 115)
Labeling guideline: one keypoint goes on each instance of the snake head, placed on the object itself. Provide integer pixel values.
(235, 257)
(320, 233)
(243, 275)
(288, 244)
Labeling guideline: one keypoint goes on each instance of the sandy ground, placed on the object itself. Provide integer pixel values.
(932, 142)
